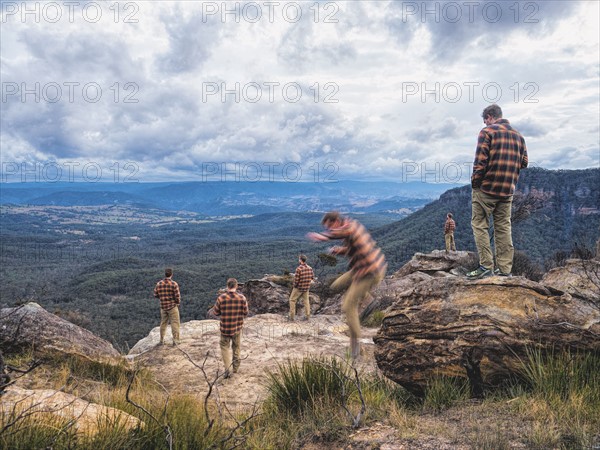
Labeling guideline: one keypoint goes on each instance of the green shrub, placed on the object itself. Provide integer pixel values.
(296, 387)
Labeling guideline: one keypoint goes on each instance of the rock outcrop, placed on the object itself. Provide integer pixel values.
(32, 327)
(437, 263)
(87, 418)
(580, 278)
(265, 296)
(267, 341)
(477, 329)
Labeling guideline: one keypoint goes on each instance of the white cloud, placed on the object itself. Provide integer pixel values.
(369, 92)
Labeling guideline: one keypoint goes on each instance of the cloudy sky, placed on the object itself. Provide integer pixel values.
(370, 90)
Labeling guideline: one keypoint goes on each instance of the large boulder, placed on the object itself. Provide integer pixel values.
(32, 327)
(478, 329)
(271, 294)
(88, 418)
(580, 278)
(435, 262)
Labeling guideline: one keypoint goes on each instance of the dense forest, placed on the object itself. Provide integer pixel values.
(101, 275)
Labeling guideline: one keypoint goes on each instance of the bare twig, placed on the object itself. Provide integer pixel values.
(239, 439)
(211, 386)
(357, 384)
(166, 427)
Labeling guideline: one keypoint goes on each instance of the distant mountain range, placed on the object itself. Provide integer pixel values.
(215, 198)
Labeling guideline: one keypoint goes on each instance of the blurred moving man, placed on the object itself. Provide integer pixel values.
(366, 268)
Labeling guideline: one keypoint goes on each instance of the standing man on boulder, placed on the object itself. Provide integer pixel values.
(366, 269)
(232, 307)
(449, 228)
(167, 291)
(302, 279)
(501, 154)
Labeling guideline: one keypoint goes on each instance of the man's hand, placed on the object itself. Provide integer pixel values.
(315, 237)
(211, 314)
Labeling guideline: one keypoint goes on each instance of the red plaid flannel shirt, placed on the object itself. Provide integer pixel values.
(304, 275)
(232, 307)
(500, 155)
(167, 291)
(365, 257)
(449, 226)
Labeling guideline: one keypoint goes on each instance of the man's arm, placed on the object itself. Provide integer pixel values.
(176, 294)
(339, 250)
(297, 276)
(156, 291)
(217, 308)
(244, 305)
(482, 155)
(525, 159)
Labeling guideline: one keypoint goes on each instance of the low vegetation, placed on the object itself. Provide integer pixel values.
(554, 404)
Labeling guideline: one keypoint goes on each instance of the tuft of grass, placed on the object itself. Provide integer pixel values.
(443, 392)
(297, 387)
(563, 398)
(374, 320)
(490, 440)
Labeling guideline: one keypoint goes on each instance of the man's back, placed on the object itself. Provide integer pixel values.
(167, 291)
(501, 154)
(303, 277)
(232, 307)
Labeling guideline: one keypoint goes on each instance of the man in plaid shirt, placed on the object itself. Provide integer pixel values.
(449, 228)
(501, 154)
(167, 291)
(232, 307)
(366, 269)
(302, 280)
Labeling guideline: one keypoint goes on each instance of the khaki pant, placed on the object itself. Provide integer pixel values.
(450, 245)
(483, 206)
(357, 290)
(171, 316)
(229, 345)
(294, 296)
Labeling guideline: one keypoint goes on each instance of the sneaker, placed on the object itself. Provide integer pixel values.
(227, 374)
(498, 273)
(160, 343)
(480, 272)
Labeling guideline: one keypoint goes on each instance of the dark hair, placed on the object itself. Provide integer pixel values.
(450, 215)
(168, 272)
(232, 283)
(493, 110)
(302, 258)
(330, 217)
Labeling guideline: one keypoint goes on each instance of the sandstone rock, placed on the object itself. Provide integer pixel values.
(267, 341)
(436, 261)
(46, 402)
(31, 326)
(478, 329)
(579, 278)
